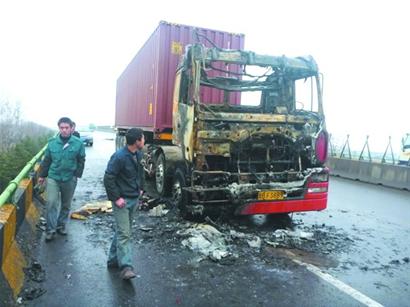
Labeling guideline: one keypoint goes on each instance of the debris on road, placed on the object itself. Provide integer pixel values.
(32, 293)
(274, 244)
(90, 208)
(148, 202)
(315, 238)
(211, 222)
(206, 240)
(255, 242)
(146, 229)
(77, 216)
(237, 235)
(290, 236)
(42, 224)
(35, 272)
(381, 285)
(158, 211)
(221, 240)
(306, 235)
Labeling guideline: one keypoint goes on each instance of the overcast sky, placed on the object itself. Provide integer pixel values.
(63, 57)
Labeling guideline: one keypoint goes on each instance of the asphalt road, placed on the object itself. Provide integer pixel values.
(359, 254)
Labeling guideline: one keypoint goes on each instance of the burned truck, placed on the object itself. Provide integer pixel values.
(248, 132)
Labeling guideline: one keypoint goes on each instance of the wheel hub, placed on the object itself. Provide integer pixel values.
(176, 192)
(159, 176)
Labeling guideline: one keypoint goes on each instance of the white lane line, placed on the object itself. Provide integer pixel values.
(338, 284)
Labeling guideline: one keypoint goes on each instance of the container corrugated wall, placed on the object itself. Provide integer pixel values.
(145, 88)
(135, 87)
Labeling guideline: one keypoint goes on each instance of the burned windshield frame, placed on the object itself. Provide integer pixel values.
(277, 93)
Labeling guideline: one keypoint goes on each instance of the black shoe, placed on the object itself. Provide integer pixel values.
(112, 264)
(50, 236)
(62, 231)
(127, 273)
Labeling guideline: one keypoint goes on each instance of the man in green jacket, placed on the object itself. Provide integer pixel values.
(63, 163)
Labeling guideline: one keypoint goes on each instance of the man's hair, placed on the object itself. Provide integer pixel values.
(65, 120)
(72, 124)
(133, 135)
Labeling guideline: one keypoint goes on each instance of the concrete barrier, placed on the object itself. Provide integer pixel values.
(17, 209)
(23, 212)
(394, 176)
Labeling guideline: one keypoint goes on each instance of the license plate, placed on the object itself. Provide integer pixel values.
(271, 195)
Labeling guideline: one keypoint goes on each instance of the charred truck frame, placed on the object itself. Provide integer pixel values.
(252, 145)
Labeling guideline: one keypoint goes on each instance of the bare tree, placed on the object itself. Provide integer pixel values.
(12, 128)
(31, 130)
(10, 119)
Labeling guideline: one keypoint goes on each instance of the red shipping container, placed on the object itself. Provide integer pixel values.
(145, 88)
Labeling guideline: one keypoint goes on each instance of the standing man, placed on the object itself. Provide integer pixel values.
(63, 163)
(73, 131)
(123, 181)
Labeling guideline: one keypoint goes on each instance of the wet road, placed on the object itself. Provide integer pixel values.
(361, 241)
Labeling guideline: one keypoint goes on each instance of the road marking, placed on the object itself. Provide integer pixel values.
(337, 283)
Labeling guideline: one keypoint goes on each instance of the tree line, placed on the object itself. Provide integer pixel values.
(19, 141)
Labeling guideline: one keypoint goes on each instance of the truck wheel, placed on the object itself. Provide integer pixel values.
(119, 141)
(180, 197)
(280, 220)
(161, 180)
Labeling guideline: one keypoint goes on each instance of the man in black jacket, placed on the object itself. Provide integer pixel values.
(123, 183)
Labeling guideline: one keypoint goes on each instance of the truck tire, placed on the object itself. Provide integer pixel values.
(119, 141)
(162, 181)
(180, 197)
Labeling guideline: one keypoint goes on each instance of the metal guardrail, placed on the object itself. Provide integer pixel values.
(12, 186)
(365, 154)
(372, 167)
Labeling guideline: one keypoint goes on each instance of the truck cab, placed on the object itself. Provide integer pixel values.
(248, 133)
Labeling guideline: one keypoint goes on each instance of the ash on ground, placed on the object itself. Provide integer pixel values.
(223, 239)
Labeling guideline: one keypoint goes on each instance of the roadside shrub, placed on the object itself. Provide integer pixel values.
(15, 158)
